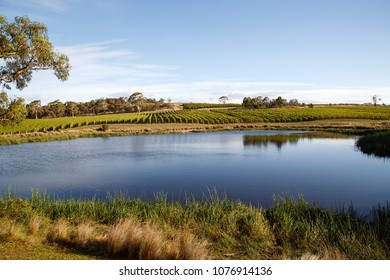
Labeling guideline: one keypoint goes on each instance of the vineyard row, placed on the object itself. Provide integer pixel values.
(222, 116)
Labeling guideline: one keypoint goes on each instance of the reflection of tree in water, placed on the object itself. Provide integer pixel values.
(270, 140)
(281, 140)
(377, 145)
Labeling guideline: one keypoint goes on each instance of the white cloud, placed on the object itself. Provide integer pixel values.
(104, 70)
(344, 95)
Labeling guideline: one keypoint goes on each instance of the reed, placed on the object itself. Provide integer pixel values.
(213, 227)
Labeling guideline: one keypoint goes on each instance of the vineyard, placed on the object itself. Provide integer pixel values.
(194, 106)
(216, 116)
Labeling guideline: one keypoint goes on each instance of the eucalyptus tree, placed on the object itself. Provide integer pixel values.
(55, 109)
(71, 108)
(34, 109)
(375, 99)
(24, 48)
(137, 98)
(223, 99)
(12, 110)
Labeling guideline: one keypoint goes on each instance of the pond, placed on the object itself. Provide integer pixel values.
(251, 166)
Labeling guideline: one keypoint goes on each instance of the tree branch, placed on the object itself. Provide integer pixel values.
(23, 69)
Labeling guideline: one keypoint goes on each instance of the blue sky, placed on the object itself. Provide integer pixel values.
(319, 51)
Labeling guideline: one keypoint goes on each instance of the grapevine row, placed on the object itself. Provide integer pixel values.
(205, 117)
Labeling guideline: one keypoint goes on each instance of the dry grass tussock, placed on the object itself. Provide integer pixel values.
(326, 255)
(135, 240)
(10, 230)
(84, 233)
(36, 224)
(59, 232)
(191, 248)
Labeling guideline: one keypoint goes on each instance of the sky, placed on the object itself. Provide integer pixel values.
(318, 51)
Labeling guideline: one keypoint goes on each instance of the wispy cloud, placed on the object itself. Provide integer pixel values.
(98, 70)
(108, 69)
(56, 6)
(105, 62)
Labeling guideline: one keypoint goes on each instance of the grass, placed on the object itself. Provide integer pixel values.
(214, 228)
(377, 144)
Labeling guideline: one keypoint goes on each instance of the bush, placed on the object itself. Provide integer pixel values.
(104, 127)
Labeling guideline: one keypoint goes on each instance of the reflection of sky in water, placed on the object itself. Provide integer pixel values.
(249, 165)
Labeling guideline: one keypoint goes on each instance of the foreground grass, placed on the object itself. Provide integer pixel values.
(214, 228)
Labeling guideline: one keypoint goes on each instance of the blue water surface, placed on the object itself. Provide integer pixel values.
(251, 166)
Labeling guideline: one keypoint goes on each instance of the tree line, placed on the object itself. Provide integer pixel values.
(14, 110)
(266, 102)
(135, 103)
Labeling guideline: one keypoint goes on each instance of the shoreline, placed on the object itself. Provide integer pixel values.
(216, 228)
(349, 126)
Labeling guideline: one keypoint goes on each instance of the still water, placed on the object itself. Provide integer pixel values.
(248, 165)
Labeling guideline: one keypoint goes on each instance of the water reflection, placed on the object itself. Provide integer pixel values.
(281, 140)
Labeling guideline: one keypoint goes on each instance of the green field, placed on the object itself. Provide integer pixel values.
(216, 116)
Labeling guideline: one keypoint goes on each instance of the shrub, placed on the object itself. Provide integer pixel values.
(104, 127)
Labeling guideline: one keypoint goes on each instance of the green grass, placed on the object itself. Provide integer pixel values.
(214, 227)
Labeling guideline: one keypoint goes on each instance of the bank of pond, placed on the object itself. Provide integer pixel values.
(120, 227)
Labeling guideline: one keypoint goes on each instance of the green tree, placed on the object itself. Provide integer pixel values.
(12, 111)
(34, 109)
(55, 109)
(247, 103)
(375, 99)
(279, 102)
(223, 99)
(72, 109)
(24, 48)
(293, 102)
(101, 106)
(4, 102)
(137, 98)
